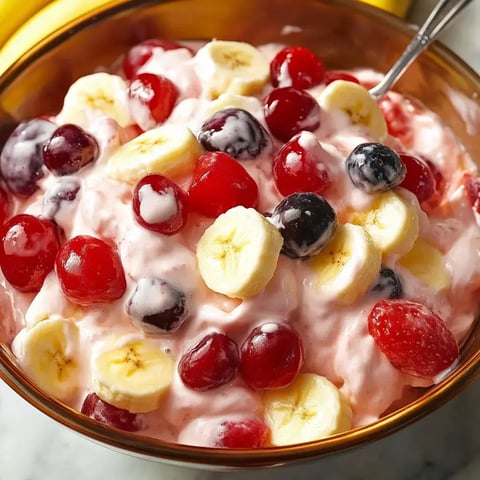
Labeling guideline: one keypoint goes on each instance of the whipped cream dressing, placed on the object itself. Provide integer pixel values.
(336, 342)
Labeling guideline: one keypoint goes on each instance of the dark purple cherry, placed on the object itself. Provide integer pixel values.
(21, 160)
(69, 149)
(234, 131)
(156, 307)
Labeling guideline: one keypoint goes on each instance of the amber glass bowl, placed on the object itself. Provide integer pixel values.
(345, 34)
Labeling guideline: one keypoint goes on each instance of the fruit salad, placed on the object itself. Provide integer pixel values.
(234, 246)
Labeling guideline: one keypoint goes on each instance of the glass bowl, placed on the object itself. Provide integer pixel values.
(345, 34)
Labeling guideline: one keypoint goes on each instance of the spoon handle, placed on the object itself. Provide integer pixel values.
(443, 13)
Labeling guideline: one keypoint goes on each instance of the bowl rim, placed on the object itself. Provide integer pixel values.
(205, 457)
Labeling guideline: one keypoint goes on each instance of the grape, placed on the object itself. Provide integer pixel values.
(156, 307)
(63, 191)
(21, 160)
(306, 222)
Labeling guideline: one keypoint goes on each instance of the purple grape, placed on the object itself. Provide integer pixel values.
(234, 131)
(69, 149)
(156, 307)
(374, 167)
(21, 160)
(63, 191)
(306, 222)
(388, 284)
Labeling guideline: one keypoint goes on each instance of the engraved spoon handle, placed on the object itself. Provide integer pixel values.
(443, 13)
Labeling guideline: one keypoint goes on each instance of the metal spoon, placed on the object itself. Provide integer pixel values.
(443, 13)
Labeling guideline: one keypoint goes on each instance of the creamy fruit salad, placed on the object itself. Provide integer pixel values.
(233, 246)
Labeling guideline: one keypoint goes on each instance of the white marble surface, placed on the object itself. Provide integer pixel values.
(444, 445)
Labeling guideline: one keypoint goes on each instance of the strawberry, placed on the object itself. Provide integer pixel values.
(412, 337)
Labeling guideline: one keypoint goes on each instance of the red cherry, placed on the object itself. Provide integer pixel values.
(298, 166)
(440, 184)
(220, 183)
(139, 54)
(94, 407)
(212, 362)
(419, 178)
(250, 433)
(332, 75)
(271, 356)
(159, 204)
(472, 186)
(413, 338)
(398, 122)
(288, 111)
(296, 67)
(90, 271)
(27, 251)
(152, 98)
(4, 206)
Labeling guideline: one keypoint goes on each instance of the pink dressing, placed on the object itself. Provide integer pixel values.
(336, 342)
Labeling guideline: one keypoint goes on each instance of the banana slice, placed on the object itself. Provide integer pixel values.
(171, 150)
(98, 94)
(391, 221)
(354, 100)
(227, 100)
(49, 353)
(238, 254)
(233, 67)
(427, 263)
(348, 265)
(131, 374)
(310, 409)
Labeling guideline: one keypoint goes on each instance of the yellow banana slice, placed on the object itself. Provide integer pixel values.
(348, 265)
(171, 150)
(132, 374)
(356, 102)
(427, 263)
(227, 100)
(238, 254)
(49, 353)
(93, 96)
(233, 67)
(309, 409)
(391, 221)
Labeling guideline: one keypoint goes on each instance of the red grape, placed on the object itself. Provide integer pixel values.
(271, 356)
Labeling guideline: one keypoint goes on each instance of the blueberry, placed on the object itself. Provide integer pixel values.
(388, 284)
(63, 191)
(307, 223)
(156, 307)
(373, 167)
(234, 131)
(21, 161)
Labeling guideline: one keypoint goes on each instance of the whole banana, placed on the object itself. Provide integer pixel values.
(32, 20)
(17, 13)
